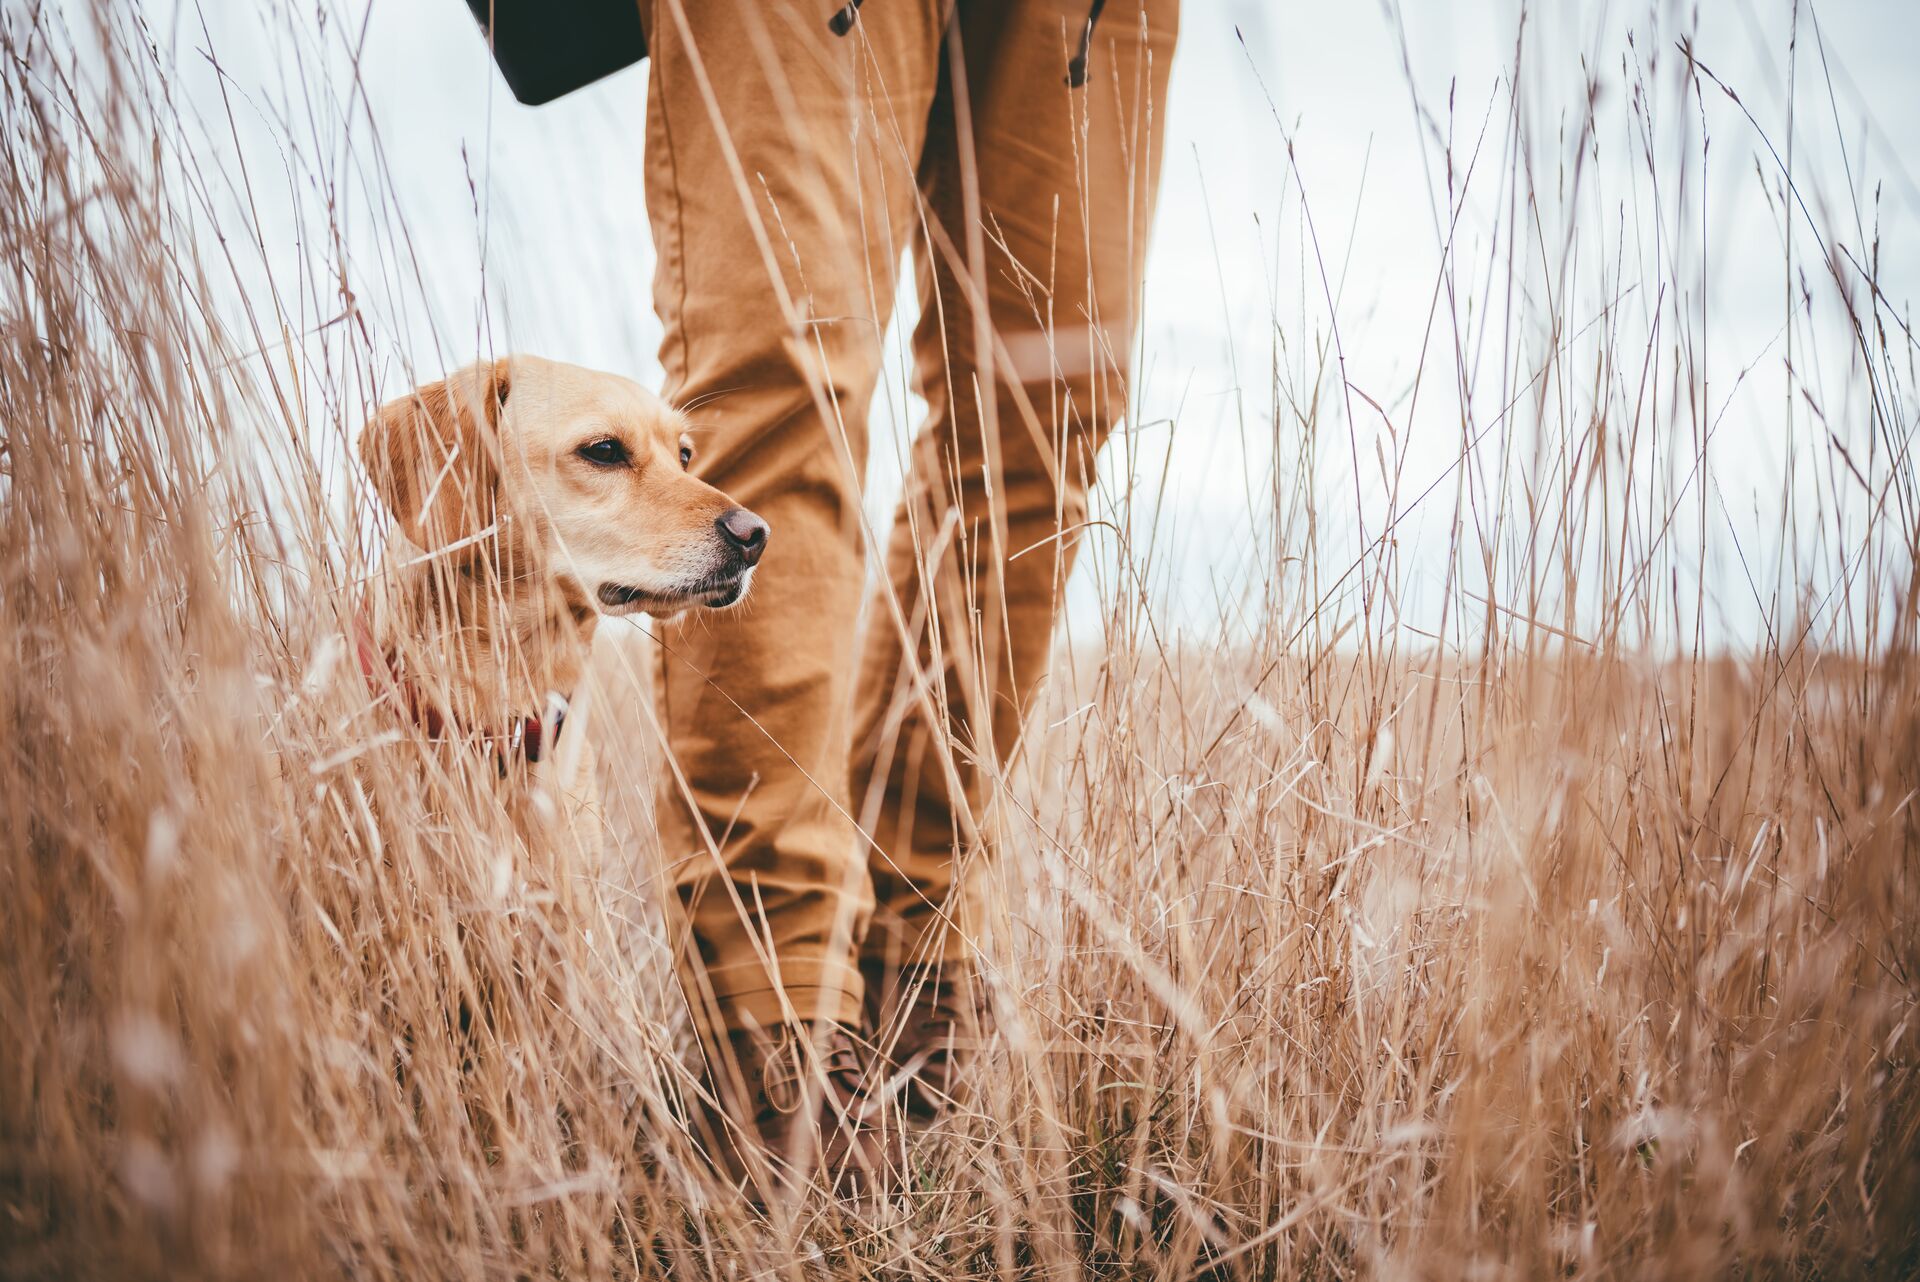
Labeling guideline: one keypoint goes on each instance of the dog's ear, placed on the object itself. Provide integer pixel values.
(434, 455)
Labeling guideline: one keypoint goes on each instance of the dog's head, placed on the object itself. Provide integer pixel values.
(544, 468)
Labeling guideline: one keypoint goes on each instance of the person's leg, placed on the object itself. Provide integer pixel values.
(779, 175)
(1021, 396)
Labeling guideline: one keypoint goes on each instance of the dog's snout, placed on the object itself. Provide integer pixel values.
(744, 532)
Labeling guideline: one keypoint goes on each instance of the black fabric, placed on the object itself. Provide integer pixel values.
(546, 48)
(1077, 67)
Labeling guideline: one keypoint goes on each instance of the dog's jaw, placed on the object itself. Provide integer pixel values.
(733, 594)
(714, 592)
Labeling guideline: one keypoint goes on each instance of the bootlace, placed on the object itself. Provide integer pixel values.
(783, 1068)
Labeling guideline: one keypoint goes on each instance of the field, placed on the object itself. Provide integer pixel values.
(1568, 939)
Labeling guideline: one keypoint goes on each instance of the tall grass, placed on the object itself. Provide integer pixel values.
(1563, 942)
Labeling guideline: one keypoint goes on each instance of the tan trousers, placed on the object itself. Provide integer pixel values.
(823, 790)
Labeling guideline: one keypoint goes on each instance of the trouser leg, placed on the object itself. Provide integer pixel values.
(779, 178)
(1029, 283)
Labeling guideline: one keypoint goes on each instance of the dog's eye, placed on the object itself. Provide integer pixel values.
(686, 453)
(605, 452)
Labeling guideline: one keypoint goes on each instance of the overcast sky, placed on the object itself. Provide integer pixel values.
(556, 197)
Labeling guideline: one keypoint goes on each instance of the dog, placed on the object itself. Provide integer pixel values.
(530, 499)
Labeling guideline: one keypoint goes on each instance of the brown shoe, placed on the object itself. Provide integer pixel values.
(791, 1105)
(928, 1022)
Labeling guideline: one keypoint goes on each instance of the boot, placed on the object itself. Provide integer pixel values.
(928, 1020)
(791, 1104)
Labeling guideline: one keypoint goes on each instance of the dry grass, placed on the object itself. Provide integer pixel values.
(1330, 952)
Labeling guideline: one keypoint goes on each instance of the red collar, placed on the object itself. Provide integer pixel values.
(527, 737)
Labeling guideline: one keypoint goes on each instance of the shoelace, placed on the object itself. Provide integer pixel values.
(784, 1067)
(843, 1068)
(937, 1008)
(842, 22)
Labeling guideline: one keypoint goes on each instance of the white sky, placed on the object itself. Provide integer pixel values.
(556, 195)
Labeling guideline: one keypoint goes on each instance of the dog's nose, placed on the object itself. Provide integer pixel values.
(744, 532)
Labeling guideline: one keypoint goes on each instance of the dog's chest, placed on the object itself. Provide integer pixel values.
(562, 788)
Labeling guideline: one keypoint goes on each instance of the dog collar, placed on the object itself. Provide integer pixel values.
(526, 737)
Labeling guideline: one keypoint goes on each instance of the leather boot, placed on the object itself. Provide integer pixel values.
(791, 1104)
(928, 1021)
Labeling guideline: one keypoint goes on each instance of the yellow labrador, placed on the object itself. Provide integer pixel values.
(529, 498)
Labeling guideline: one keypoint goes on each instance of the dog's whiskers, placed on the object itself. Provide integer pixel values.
(707, 398)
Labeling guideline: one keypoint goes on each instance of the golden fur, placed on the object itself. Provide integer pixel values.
(529, 497)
